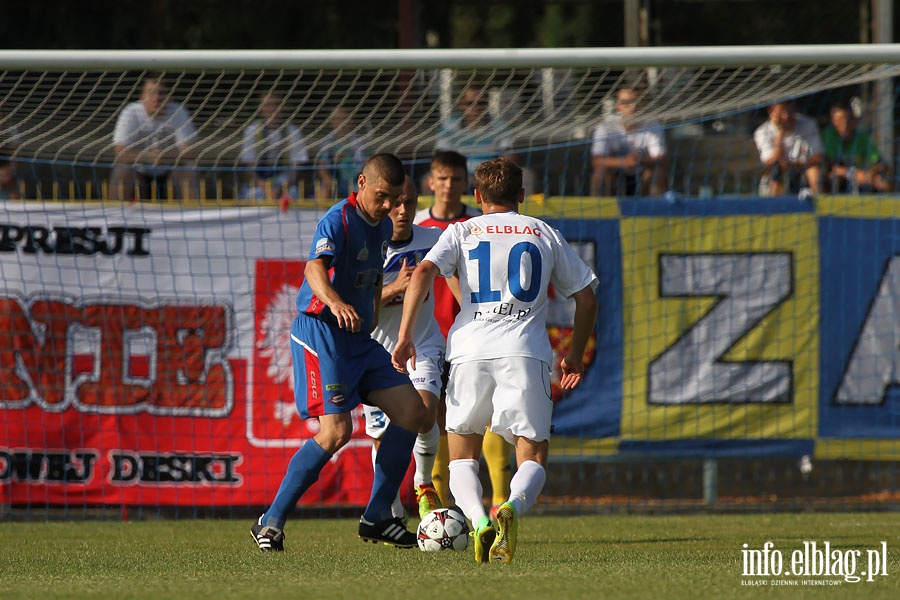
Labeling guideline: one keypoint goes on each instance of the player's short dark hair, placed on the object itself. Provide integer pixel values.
(499, 180)
(387, 166)
(449, 158)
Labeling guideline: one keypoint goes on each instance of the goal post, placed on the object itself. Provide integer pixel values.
(62, 106)
(745, 352)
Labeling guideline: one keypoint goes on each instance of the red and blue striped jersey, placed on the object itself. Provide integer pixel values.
(356, 250)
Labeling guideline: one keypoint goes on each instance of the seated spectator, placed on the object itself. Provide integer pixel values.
(853, 163)
(274, 150)
(628, 152)
(473, 133)
(9, 143)
(152, 136)
(790, 150)
(340, 158)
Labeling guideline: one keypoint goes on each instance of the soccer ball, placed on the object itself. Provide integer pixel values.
(443, 529)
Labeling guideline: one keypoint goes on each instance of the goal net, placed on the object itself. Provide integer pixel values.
(59, 110)
(745, 350)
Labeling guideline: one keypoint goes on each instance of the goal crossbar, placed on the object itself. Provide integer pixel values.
(453, 58)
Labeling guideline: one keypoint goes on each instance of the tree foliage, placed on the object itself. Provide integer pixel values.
(306, 24)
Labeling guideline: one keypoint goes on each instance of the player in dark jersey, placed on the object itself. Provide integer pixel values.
(337, 364)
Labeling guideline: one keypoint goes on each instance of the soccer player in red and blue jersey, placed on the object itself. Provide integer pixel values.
(337, 364)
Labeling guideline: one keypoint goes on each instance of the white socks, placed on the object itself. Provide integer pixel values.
(424, 452)
(524, 488)
(466, 488)
(526, 485)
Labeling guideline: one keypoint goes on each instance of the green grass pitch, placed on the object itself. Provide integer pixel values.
(610, 556)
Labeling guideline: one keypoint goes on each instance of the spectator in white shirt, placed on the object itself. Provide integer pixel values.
(628, 152)
(152, 137)
(790, 150)
(273, 151)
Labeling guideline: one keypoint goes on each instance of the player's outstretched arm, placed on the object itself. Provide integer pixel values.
(316, 274)
(572, 365)
(419, 286)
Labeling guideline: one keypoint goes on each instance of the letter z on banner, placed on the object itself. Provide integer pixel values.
(720, 327)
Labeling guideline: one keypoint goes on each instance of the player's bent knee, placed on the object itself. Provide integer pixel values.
(335, 432)
(414, 411)
(331, 442)
(402, 405)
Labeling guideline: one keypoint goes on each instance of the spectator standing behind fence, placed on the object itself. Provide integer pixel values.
(853, 163)
(628, 152)
(790, 150)
(9, 143)
(340, 158)
(152, 137)
(274, 152)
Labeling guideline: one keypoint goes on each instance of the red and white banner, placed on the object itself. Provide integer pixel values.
(145, 358)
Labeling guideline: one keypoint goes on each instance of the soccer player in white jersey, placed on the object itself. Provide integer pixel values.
(408, 246)
(498, 346)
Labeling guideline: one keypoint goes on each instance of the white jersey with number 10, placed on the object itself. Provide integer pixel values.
(506, 262)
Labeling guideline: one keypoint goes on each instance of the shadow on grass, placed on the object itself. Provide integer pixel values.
(620, 542)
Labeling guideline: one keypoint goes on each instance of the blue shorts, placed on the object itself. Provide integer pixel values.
(335, 369)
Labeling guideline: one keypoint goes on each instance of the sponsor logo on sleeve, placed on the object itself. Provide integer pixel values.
(324, 245)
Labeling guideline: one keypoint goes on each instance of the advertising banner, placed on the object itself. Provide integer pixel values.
(145, 356)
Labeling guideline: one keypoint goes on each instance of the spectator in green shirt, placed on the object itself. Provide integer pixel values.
(853, 161)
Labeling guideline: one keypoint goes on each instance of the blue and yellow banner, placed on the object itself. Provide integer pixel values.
(741, 327)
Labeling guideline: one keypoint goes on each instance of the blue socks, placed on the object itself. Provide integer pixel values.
(302, 472)
(391, 464)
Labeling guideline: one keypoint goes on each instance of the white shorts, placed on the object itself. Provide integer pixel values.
(511, 395)
(426, 377)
